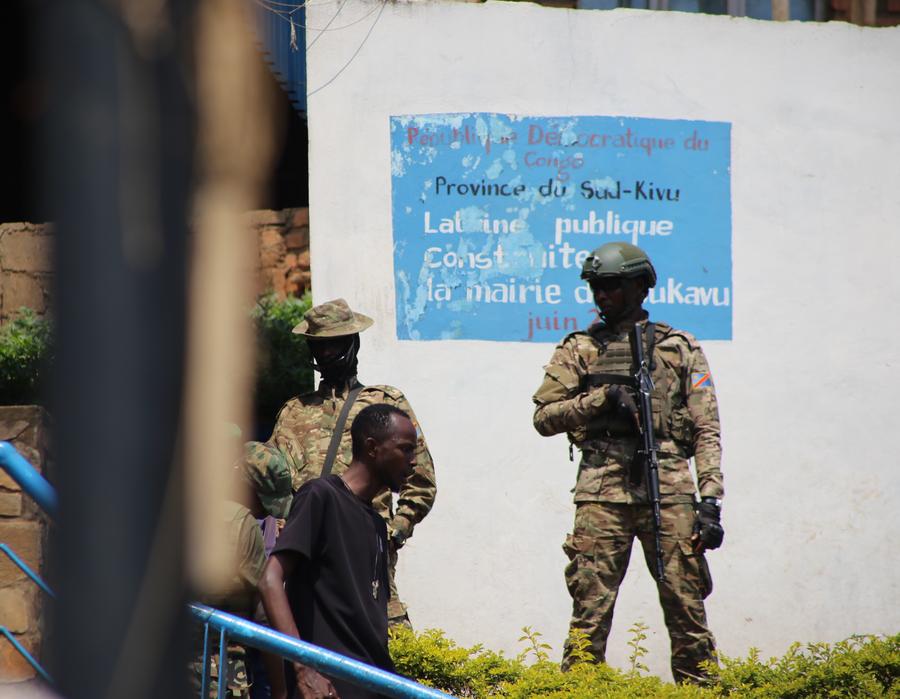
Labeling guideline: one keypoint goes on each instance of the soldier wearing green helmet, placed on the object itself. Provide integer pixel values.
(582, 395)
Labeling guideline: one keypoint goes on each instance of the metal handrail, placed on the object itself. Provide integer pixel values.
(25, 654)
(329, 662)
(23, 566)
(35, 485)
(28, 478)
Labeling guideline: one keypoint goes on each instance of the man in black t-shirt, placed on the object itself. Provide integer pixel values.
(326, 581)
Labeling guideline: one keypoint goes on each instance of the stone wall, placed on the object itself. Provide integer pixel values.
(23, 527)
(25, 267)
(26, 272)
(283, 251)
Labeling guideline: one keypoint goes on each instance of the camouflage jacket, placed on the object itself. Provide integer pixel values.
(685, 415)
(303, 431)
(243, 537)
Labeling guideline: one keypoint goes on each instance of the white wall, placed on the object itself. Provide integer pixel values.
(807, 387)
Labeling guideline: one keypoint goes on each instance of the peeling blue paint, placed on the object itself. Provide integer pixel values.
(493, 215)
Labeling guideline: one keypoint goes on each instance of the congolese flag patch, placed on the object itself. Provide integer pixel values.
(700, 378)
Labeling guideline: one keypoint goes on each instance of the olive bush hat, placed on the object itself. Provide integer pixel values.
(332, 319)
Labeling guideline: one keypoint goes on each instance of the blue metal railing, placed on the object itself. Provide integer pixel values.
(28, 479)
(23, 566)
(35, 485)
(326, 661)
(25, 654)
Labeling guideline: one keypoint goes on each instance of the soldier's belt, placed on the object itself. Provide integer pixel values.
(624, 447)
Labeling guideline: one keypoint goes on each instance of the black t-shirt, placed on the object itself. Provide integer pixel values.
(339, 592)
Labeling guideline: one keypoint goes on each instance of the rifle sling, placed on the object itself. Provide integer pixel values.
(339, 431)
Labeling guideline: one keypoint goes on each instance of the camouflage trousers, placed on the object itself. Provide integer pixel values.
(238, 683)
(599, 550)
(396, 610)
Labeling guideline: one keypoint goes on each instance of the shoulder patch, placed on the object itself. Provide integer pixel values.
(699, 379)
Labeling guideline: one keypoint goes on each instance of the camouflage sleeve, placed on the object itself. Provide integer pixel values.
(251, 552)
(416, 498)
(287, 441)
(560, 404)
(704, 412)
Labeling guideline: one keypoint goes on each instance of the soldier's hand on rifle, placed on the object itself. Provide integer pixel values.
(708, 532)
(622, 403)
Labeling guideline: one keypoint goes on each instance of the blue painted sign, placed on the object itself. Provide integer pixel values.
(493, 216)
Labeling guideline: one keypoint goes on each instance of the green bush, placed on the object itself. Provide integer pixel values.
(283, 367)
(859, 667)
(26, 352)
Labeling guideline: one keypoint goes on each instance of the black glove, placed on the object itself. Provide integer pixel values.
(622, 403)
(708, 532)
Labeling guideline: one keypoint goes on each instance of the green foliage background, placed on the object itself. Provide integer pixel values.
(283, 366)
(863, 666)
(26, 352)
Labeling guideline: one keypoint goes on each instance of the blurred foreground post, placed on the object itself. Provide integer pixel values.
(132, 82)
(117, 165)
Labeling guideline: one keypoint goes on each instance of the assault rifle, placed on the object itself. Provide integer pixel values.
(647, 447)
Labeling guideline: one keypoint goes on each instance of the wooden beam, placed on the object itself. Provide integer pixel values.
(781, 10)
(863, 12)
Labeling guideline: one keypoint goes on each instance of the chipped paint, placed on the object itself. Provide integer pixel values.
(494, 214)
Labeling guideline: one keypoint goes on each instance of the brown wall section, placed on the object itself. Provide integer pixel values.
(283, 251)
(26, 258)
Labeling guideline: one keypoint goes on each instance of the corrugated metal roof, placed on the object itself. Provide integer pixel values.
(274, 22)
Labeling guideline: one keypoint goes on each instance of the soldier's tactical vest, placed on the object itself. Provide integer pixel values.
(614, 365)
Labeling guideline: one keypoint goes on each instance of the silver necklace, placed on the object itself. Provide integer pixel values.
(379, 547)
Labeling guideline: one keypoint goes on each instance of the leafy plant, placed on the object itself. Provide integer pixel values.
(638, 633)
(535, 646)
(26, 352)
(862, 666)
(283, 365)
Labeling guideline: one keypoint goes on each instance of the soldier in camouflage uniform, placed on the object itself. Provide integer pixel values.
(305, 424)
(601, 419)
(263, 488)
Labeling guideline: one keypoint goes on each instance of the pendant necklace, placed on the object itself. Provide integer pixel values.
(379, 547)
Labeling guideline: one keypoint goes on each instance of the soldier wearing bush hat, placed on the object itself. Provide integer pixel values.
(306, 423)
(587, 393)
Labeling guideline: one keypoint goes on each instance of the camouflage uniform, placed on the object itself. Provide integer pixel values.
(305, 424)
(611, 511)
(265, 471)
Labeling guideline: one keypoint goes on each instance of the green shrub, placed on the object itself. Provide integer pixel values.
(859, 667)
(26, 352)
(283, 367)
(436, 661)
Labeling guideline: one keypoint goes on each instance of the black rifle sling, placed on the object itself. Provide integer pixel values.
(339, 431)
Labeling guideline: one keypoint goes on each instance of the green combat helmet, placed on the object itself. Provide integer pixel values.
(267, 472)
(618, 260)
